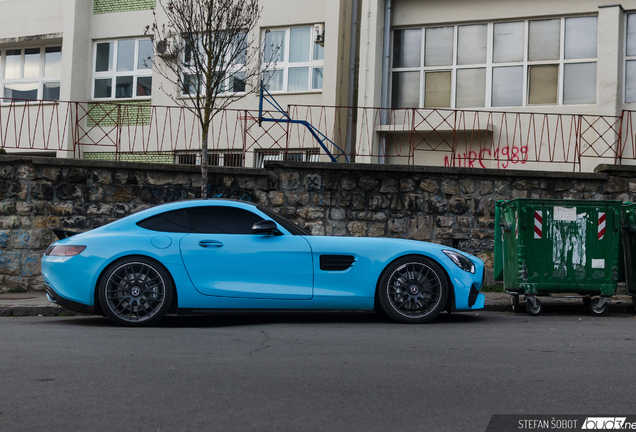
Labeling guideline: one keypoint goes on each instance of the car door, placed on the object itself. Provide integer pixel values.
(223, 258)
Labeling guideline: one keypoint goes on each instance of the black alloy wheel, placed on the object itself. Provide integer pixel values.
(136, 291)
(413, 290)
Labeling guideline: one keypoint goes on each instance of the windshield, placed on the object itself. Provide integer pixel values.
(288, 225)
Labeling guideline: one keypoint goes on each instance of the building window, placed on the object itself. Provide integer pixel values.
(233, 80)
(292, 155)
(630, 59)
(31, 73)
(504, 64)
(122, 69)
(215, 158)
(298, 60)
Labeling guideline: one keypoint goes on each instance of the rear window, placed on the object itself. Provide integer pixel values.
(173, 221)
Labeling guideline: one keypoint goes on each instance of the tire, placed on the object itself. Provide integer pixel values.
(531, 309)
(595, 309)
(136, 291)
(413, 290)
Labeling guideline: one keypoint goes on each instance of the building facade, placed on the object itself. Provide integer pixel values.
(498, 84)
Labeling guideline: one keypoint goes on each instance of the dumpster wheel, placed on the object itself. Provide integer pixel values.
(516, 307)
(533, 306)
(598, 306)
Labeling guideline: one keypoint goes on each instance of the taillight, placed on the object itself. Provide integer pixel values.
(64, 250)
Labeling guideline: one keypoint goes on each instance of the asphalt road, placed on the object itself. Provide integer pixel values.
(311, 373)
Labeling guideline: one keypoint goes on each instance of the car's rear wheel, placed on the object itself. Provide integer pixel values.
(413, 290)
(136, 291)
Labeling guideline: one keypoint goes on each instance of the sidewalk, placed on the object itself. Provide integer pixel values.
(36, 304)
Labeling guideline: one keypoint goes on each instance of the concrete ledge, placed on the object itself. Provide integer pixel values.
(413, 169)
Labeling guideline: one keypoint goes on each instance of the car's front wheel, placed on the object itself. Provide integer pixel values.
(413, 290)
(136, 291)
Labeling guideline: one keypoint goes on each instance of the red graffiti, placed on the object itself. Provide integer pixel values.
(505, 156)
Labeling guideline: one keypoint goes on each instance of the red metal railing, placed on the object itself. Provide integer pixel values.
(479, 139)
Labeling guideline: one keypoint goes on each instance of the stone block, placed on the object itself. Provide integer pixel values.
(450, 187)
(389, 185)
(357, 229)
(16, 283)
(436, 205)
(311, 213)
(326, 199)
(5, 238)
(61, 209)
(429, 185)
(397, 228)
(156, 178)
(68, 191)
(9, 222)
(277, 198)
(10, 262)
(290, 180)
(615, 185)
(297, 198)
(312, 182)
(99, 209)
(337, 214)
(26, 172)
(27, 239)
(377, 202)
(368, 183)
(42, 191)
(467, 186)
(377, 229)
(260, 198)
(30, 263)
(349, 182)
(315, 228)
(23, 208)
(75, 175)
(486, 187)
(421, 228)
(330, 181)
(407, 184)
(51, 173)
(7, 208)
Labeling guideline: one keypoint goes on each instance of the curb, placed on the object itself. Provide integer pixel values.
(30, 311)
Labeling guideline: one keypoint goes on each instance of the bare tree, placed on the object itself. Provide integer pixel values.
(209, 51)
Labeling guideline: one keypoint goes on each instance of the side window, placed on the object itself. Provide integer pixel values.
(221, 220)
(174, 221)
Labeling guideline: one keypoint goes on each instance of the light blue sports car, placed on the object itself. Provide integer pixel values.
(210, 255)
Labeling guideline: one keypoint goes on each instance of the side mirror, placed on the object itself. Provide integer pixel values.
(267, 227)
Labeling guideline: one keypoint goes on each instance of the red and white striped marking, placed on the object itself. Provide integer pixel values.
(516, 225)
(601, 226)
(538, 224)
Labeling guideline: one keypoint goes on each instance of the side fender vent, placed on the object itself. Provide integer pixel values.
(336, 262)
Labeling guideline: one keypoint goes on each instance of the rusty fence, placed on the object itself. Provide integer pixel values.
(438, 137)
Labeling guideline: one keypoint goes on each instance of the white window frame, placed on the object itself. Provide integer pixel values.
(113, 74)
(284, 64)
(489, 64)
(40, 80)
(626, 58)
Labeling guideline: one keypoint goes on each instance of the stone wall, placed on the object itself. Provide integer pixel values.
(452, 206)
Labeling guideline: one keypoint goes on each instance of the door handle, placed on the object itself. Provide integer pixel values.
(210, 243)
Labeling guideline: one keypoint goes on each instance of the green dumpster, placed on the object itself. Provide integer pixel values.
(558, 247)
(628, 221)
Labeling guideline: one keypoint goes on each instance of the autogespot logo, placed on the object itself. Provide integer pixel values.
(607, 423)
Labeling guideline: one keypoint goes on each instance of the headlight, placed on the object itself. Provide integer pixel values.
(461, 261)
(64, 250)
